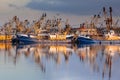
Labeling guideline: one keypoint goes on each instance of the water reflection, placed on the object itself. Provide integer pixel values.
(99, 58)
(48, 52)
(98, 55)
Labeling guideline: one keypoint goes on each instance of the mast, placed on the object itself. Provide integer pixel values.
(110, 20)
(105, 13)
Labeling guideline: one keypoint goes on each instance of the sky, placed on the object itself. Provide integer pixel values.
(33, 8)
(79, 7)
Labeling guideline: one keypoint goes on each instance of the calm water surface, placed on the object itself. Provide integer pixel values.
(59, 62)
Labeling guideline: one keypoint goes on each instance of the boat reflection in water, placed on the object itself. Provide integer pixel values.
(67, 61)
(100, 58)
(46, 52)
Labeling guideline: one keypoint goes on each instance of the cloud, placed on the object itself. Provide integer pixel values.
(77, 7)
(15, 2)
(8, 5)
(80, 7)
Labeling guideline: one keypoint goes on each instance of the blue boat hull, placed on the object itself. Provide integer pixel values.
(85, 40)
(24, 40)
(27, 39)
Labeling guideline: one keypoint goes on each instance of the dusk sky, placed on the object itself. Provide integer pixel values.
(29, 8)
(79, 7)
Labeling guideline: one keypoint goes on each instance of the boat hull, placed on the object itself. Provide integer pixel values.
(25, 39)
(85, 40)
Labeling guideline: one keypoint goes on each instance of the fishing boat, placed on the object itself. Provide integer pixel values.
(107, 34)
(30, 39)
(85, 40)
(108, 38)
(23, 38)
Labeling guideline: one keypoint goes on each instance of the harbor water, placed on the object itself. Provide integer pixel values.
(59, 62)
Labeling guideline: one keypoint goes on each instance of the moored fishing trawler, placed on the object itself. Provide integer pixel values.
(30, 39)
(108, 34)
(43, 31)
(108, 38)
